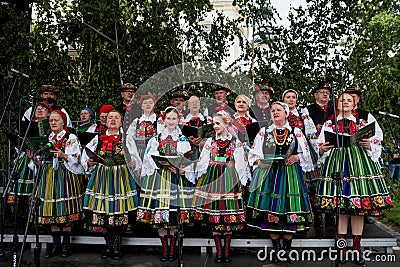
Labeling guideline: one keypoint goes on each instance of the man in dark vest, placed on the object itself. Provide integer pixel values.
(318, 112)
(127, 108)
(220, 92)
(261, 110)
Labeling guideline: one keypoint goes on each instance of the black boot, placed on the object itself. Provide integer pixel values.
(66, 246)
(287, 247)
(318, 224)
(172, 249)
(276, 245)
(117, 247)
(227, 246)
(357, 246)
(107, 251)
(164, 244)
(56, 246)
(218, 246)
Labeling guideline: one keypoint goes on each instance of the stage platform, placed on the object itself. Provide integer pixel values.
(374, 236)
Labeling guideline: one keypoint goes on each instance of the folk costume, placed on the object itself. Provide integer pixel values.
(364, 191)
(159, 189)
(60, 189)
(111, 192)
(218, 198)
(141, 130)
(278, 199)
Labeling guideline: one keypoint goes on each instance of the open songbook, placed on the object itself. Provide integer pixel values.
(171, 161)
(346, 140)
(110, 161)
(195, 132)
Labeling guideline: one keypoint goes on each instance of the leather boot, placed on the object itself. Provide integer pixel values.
(287, 247)
(318, 223)
(164, 244)
(117, 247)
(66, 246)
(227, 247)
(218, 246)
(56, 246)
(172, 249)
(107, 251)
(276, 245)
(342, 246)
(357, 246)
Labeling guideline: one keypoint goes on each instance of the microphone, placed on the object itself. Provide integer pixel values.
(389, 115)
(46, 147)
(41, 99)
(23, 75)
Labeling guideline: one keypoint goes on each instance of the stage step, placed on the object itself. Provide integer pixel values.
(388, 242)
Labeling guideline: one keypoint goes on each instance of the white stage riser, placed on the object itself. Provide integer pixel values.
(387, 243)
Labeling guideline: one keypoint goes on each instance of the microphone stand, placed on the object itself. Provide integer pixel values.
(34, 208)
(10, 176)
(337, 176)
(4, 201)
(179, 234)
(4, 195)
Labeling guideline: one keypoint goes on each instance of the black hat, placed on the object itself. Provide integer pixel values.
(321, 85)
(353, 90)
(261, 88)
(179, 94)
(219, 86)
(48, 88)
(127, 86)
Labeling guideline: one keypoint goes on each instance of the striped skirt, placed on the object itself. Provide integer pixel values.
(159, 199)
(278, 200)
(110, 195)
(218, 199)
(60, 192)
(25, 179)
(364, 190)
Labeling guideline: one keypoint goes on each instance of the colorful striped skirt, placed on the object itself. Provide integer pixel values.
(278, 200)
(159, 199)
(61, 193)
(364, 190)
(110, 195)
(218, 199)
(25, 179)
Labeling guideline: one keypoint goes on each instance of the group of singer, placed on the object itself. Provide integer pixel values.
(267, 165)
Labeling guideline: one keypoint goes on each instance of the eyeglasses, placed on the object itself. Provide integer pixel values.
(129, 91)
(41, 109)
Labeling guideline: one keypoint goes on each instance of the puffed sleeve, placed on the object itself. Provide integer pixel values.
(303, 151)
(183, 145)
(309, 127)
(321, 139)
(256, 151)
(92, 145)
(203, 162)
(149, 166)
(134, 154)
(240, 162)
(73, 150)
(376, 145)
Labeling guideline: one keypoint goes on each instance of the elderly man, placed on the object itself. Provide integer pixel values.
(127, 108)
(261, 111)
(49, 93)
(220, 92)
(318, 113)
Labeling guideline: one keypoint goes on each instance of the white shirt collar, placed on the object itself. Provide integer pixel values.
(273, 126)
(175, 134)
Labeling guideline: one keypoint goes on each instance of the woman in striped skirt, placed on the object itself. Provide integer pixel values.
(364, 190)
(159, 189)
(278, 201)
(61, 187)
(111, 191)
(217, 198)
